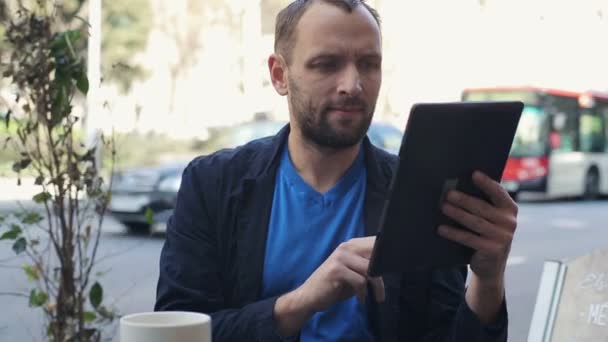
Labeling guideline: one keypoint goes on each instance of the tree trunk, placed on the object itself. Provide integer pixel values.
(67, 307)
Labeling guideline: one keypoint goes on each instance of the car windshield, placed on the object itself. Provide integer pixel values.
(386, 137)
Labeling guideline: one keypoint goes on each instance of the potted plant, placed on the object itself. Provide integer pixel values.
(59, 238)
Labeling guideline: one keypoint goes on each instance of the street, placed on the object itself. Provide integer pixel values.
(546, 230)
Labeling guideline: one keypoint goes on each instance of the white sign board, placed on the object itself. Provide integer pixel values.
(572, 301)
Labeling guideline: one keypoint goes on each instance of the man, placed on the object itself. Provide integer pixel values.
(273, 239)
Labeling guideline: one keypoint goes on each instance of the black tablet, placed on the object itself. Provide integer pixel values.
(443, 144)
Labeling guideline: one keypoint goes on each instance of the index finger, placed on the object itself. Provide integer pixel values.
(498, 195)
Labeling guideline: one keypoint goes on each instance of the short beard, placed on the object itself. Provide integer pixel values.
(318, 130)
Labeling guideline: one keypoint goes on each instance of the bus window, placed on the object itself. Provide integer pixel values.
(528, 97)
(602, 109)
(591, 131)
(566, 109)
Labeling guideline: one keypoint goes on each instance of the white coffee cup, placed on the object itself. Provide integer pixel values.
(166, 326)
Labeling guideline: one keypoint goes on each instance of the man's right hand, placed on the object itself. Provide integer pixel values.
(341, 276)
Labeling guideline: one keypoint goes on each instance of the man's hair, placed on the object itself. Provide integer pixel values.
(289, 17)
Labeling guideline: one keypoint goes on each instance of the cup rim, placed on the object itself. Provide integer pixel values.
(203, 319)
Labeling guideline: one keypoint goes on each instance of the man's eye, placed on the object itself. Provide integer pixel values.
(326, 66)
(370, 65)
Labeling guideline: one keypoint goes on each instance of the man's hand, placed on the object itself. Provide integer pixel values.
(341, 276)
(495, 226)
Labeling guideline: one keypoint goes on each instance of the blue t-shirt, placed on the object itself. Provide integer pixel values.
(305, 228)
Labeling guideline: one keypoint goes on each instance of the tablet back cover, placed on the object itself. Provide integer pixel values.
(442, 146)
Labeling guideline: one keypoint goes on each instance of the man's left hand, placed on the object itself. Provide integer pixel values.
(494, 223)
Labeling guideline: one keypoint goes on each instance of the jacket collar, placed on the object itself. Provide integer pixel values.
(269, 156)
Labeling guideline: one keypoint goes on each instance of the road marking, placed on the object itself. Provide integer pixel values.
(568, 224)
(516, 260)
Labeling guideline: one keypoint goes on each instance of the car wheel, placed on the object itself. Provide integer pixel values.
(592, 185)
(137, 228)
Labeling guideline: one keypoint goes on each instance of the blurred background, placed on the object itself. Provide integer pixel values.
(181, 78)
(178, 70)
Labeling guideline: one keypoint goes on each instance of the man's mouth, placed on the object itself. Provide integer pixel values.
(347, 109)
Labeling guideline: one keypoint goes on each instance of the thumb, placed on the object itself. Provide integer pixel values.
(378, 289)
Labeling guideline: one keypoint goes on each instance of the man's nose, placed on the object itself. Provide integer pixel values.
(350, 82)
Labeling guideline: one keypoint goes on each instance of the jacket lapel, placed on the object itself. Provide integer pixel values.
(376, 193)
(253, 209)
(254, 216)
(381, 316)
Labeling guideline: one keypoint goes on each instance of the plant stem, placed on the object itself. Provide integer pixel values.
(13, 294)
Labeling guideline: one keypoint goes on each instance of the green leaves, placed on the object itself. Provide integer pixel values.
(96, 295)
(89, 316)
(42, 197)
(38, 298)
(64, 41)
(69, 67)
(60, 98)
(32, 218)
(19, 246)
(22, 164)
(12, 234)
(39, 180)
(82, 82)
(7, 118)
(32, 272)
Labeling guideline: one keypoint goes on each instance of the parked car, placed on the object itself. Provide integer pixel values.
(385, 136)
(136, 190)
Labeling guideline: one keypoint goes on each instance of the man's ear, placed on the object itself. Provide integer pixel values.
(278, 73)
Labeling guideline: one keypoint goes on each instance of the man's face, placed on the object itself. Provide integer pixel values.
(335, 75)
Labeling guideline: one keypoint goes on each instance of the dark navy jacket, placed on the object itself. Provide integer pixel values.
(212, 260)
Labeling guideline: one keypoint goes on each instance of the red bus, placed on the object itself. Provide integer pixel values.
(561, 144)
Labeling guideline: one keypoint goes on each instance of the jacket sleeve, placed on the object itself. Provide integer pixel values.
(190, 273)
(450, 318)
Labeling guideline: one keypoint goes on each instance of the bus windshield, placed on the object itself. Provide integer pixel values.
(532, 134)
